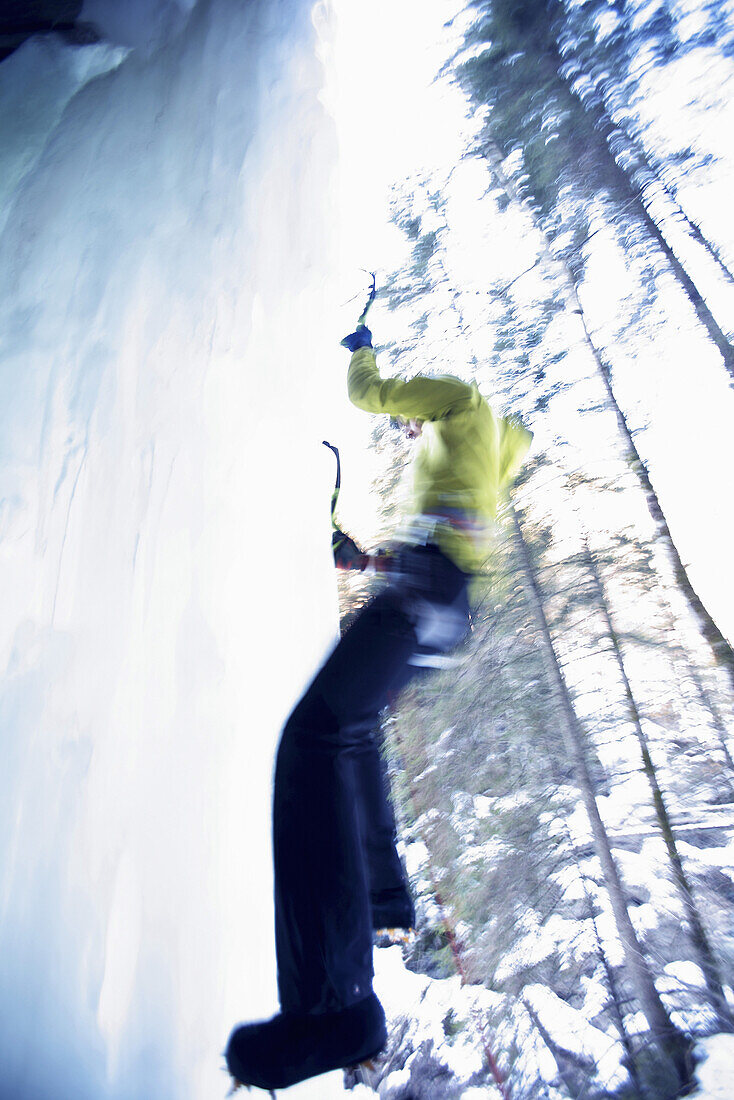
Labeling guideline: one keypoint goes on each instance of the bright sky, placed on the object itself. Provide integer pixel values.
(392, 121)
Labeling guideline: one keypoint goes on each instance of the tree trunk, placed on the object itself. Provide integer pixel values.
(453, 941)
(720, 647)
(628, 187)
(722, 650)
(547, 51)
(669, 1041)
(560, 1057)
(654, 173)
(616, 1004)
(705, 697)
(707, 702)
(699, 938)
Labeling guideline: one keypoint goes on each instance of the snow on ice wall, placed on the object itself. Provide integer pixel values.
(165, 573)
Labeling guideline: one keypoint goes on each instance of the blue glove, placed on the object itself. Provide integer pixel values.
(361, 338)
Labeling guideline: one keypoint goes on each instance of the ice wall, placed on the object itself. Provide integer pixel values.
(165, 574)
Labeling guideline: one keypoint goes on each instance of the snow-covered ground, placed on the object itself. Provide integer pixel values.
(450, 1020)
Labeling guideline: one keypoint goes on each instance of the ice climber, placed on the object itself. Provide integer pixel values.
(337, 872)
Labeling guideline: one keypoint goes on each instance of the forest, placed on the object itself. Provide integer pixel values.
(565, 790)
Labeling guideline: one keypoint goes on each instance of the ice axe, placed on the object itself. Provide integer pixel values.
(370, 299)
(361, 323)
(338, 483)
(347, 555)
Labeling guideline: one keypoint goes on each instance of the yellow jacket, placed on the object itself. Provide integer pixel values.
(466, 457)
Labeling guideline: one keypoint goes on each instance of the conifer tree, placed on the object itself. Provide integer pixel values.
(721, 649)
(670, 1043)
(523, 80)
(523, 77)
(699, 937)
(607, 53)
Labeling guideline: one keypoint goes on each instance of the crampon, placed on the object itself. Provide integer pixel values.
(237, 1085)
(395, 935)
(362, 1073)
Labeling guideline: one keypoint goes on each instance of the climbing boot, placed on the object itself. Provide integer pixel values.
(291, 1047)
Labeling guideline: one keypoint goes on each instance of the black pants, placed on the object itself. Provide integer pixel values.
(333, 827)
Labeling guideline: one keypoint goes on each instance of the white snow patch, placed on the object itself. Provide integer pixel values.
(416, 858)
(556, 934)
(426, 1003)
(426, 773)
(686, 973)
(645, 918)
(575, 1035)
(398, 1079)
(482, 805)
(716, 1073)
(483, 855)
(721, 857)
(596, 995)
